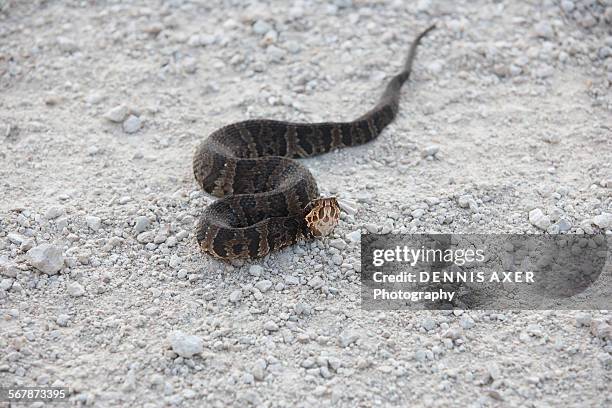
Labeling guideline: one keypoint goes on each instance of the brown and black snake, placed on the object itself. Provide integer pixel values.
(268, 199)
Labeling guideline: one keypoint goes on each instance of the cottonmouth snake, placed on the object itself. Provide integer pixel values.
(269, 200)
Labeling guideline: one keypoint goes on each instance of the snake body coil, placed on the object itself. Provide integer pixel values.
(268, 199)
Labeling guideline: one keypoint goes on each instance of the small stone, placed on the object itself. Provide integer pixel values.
(453, 333)
(583, 319)
(567, 5)
(75, 289)
(27, 244)
(8, 268)
(235, 296)
(117, 114)
(53, 212)
(132, 124)
(601, 330)
(261, 27)
(141, 224)
(292, 280)
(308, 363)
(248, 378)
(354, 236)
(603, 220)
(371, 228)
(604, 52)
(186, 345)
(466, 322)
(67, 44)
(259, 372)
(161, 236)
(62, 320)
(430, 151)
(302, 308)
(464, 201)
(493, 370)
(172, 241)
(564, 225)
(420, 355)
(544, 71)
(337, 259)
(146, 237)
(5, 284)
(537, 218)
(544, 29)
(316, 282)
(256, 270)
(94, 98)
(46, 258)
(417, 213)
(263, 285)
(348, 338)
(271, 326)
(338, 243)
(428, 324)
(93, 222)
(175, 261)
(15, 238)
(343, 3)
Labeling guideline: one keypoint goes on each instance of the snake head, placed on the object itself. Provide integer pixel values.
(321, 216)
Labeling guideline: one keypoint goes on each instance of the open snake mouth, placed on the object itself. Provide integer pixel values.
(322, 216)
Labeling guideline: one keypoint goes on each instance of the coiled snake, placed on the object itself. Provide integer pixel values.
(268, 200)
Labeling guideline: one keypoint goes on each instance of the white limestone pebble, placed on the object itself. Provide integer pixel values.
(338, 243)
(564, 225)
(186, 345)
(271, 326)
(428, 324)
(7, 267)
(315, 282)
(75, 289)
(261, 27)
(5, 284)
(256, 270)
(567, 5)
(62, 320)
(371, 228)
(583, 319)
(259, 371)
(430, 151)
(146, 237)
(544, 29)
(263, 285)
(467, 201)
(537, 218)
(354, 236)
(117, 114)
(603, 220)
(235, 296)
(132, 124)
(46, 258)
(54, 212)
(348, 338)
(93, 222)
(141, 224)
(15, 238)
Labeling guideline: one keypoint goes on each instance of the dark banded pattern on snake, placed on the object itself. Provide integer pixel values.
(263, 191)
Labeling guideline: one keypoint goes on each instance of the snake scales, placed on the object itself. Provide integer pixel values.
(268, 200)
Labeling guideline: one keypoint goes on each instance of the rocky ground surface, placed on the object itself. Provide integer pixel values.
(505, 127)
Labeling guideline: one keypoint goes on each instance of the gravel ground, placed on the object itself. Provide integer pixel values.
(505, 127)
